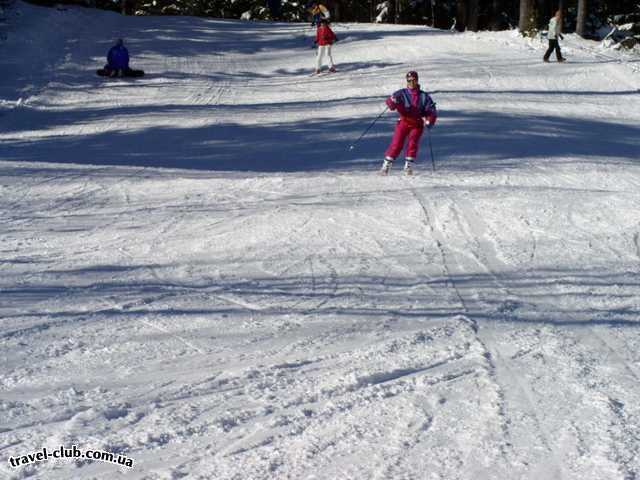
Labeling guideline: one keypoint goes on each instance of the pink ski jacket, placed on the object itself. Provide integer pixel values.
(414, 106)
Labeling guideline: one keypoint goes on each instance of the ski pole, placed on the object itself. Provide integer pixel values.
(433, 160)
(353, 145)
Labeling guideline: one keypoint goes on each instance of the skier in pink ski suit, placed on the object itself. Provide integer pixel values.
(417, 110)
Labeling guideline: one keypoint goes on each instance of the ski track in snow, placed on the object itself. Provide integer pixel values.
(196, 273)
(498, 371)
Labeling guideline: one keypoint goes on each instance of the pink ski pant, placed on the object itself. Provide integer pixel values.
(400, 134)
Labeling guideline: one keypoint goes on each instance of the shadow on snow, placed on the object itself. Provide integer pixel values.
(461, 140)
(557, 297)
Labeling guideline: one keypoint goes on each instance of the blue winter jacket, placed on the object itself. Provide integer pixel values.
(118, 57)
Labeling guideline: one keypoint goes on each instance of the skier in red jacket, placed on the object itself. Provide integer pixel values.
(324, 39)
(417, 110)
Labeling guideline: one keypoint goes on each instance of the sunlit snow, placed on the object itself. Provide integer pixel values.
(198, 273)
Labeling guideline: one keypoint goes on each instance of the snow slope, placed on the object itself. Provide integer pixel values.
(199, 274)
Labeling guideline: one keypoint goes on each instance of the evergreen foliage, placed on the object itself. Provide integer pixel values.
(459, 14)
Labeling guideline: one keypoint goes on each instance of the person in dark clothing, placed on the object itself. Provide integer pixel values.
(118, 63)
(555, 25)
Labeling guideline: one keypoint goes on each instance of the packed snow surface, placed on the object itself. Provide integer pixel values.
(198, 272)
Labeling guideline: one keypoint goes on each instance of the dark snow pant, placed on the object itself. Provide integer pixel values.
(553, 45)
(124, 72)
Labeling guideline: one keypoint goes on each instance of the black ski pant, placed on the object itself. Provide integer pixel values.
(124, 72)
(553, 45)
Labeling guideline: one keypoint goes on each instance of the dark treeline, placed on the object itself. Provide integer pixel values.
(586, 17)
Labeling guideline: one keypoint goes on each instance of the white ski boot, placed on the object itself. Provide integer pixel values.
(386, 166)
(408, 167)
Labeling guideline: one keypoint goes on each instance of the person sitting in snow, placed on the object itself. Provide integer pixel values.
(118, 63)
(318, 12)
(417, 110)
(324, 39)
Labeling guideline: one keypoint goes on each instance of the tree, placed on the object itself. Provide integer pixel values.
(581, 20)
(473, 11)
(467, 15)
(495, 18)
(433, 13)
(461, 15)
(528, 20)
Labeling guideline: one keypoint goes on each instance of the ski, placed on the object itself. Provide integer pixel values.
(324, 73)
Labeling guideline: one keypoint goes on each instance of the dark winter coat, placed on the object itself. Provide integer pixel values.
(118, 58)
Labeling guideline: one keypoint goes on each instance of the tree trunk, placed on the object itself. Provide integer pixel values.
(461, 15)
(433, 13)
(527, 21)
(495, 20)
(581, 20)
(473, 11)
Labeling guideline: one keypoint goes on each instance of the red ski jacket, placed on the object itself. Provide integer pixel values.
(324, 35)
